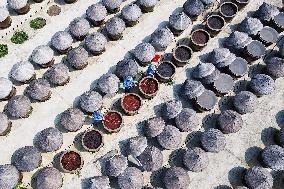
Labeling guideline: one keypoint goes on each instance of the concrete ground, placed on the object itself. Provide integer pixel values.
(225, 167)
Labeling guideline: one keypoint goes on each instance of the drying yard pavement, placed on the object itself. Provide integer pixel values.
(225, 168)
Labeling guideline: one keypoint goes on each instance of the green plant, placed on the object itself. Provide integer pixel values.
(170, 82)
(20, 185)
(37, 23)
(78, 173)
(3, 50)
(19, 37)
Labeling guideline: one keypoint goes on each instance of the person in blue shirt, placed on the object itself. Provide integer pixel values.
(151, 69)
(129, 83)
(97, 117)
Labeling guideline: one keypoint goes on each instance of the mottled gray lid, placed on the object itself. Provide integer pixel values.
(78, 57)
(125, 68)
(147, 3)
(275, 67)
(207, 100)
(131, 12)
(281, 137)
(230, 121)
(49, 178)
(267, 11)
(115, 26)
(26, 159)
(151, 159)
(100, 182)
(193, 7)
(161, 38)
(111, 4)
(19, 106)
(96, 42)
(108, 84)
(116, 165)
(262, 84)
(72, 119)
(4, 123)
(170, 138)
(49, 139)
(91, 101)
(6, 87)
(131, 178)
(58, 74)
(144, 52)
(219, 55)
(224, 83)
(61, 40)
(4, 13)
(207, 2)
(250, 26)
(222, 57)
(17, 4)
(258, 177)
(195, 159)
(279, 19)
(213, 140)
(136, 145)
(281, 50)
(179, 21)
(273, 157)
(245, 102)
(154, 127)
(268, 34)
(203, 70)
(9, 176)
(172, 108)
(239, 67)
(22, 71)
(187, 120)
(96, 12)
(238, 40)
(79, 27)
(211, 78)
(241, 187)
(39, 89)
(192, 88)
(176, 177)
(42, 55)
(256, 49)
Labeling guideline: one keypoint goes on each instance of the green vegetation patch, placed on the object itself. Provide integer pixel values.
(170, 82)
(20, 185)
(19, 37)
(37, 23)
(3, 50)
